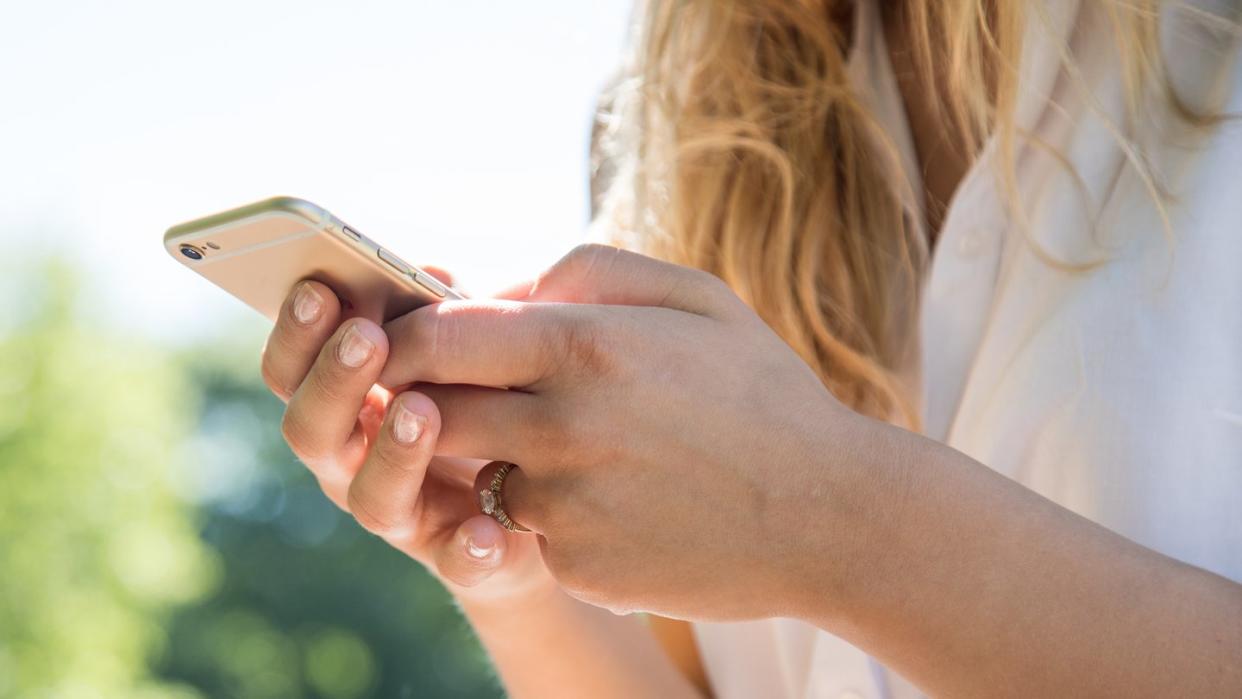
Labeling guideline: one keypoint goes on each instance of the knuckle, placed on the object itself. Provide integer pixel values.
(585, 255)
(573, 572)
(582, 343)
(710, 283)
(372, 517)
(395, 457)
(441, 334)
(329, 384)
(718, 292)
(561, 564)
(299, 436)
(577, 264)
(423, 335)
(267, 370)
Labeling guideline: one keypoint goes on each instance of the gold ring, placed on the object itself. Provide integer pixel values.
(492, 503)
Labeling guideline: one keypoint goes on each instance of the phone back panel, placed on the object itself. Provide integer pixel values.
(259, 252)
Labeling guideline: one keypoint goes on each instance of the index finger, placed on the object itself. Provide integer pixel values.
(309, 316)
(501, 344)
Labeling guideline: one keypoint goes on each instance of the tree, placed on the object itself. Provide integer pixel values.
(158, 539)
(310, 605)
(95, 549)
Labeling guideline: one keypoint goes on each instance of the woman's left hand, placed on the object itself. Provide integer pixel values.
(672, 448)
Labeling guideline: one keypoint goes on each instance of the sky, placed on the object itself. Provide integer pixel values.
(454, 133)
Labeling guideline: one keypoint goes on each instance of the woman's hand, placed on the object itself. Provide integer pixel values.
(668, 440)
(373, 452)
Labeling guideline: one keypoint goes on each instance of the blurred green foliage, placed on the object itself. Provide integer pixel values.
(158, 539)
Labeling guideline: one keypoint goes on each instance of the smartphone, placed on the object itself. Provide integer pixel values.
(258, 252)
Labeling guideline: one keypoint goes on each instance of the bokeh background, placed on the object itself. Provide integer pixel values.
(156, 537)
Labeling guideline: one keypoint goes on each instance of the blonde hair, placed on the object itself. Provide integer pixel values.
(736, 145)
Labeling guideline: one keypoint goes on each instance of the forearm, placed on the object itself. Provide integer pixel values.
(969, 584)
(556, 646)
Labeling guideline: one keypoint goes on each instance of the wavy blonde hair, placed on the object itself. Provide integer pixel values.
(736, 145)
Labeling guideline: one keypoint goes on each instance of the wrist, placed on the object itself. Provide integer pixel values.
(846, 522)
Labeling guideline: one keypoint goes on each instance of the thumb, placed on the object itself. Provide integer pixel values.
(602, 274)
(475, 551)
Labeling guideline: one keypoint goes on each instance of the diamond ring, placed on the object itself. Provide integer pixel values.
(492, 504)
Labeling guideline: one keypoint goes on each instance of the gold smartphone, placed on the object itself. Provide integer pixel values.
(258, 252)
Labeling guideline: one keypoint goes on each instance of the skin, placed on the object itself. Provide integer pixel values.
(720, 485)
(344, 428)
(650, 464)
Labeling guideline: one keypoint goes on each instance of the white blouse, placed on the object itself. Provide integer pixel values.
(1115, 392)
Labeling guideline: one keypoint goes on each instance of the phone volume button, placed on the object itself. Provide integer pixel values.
(430, 284)
(393, 261)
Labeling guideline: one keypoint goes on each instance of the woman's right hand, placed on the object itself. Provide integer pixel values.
(373, 453)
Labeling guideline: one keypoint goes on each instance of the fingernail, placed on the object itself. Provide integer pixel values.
(306, 304)
(407, 425)
(478, 551)
(355, 348)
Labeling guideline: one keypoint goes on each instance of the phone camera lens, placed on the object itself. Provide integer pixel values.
(191, 252)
